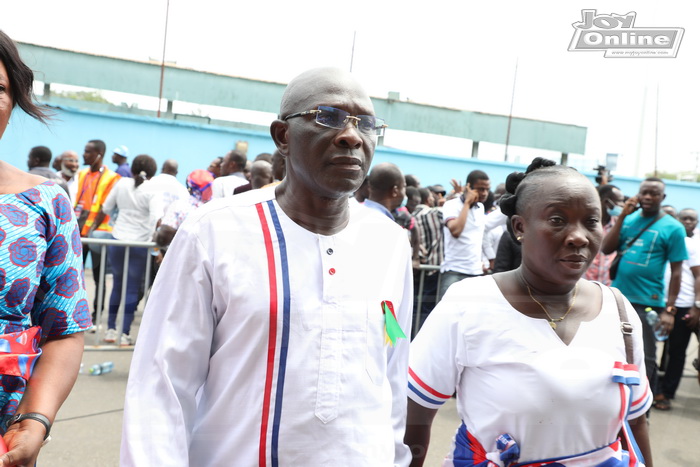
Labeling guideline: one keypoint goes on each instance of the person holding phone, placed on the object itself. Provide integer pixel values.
(611, 202)
(648, 238)
(465, 223)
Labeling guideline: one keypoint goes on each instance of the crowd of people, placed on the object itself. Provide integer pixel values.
(540, 309)
(130, 203)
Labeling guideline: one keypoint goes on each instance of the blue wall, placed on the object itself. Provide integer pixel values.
(192, 145)
(195, 145)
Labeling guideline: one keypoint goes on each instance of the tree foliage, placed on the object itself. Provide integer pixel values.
(91, 96)
(685, 176)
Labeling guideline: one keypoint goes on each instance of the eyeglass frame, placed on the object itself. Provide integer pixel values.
(353, 118)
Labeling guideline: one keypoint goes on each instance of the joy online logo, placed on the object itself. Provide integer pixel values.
(617, 36)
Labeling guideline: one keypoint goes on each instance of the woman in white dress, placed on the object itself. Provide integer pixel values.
(536, 355)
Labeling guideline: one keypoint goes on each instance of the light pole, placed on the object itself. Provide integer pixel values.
(162, 62)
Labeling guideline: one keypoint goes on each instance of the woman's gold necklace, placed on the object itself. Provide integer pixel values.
(553, 321)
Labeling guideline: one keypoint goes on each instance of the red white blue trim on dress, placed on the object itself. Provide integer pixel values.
(468, 451)
(417, 386)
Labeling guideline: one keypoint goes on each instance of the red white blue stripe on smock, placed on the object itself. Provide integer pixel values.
(278, 340)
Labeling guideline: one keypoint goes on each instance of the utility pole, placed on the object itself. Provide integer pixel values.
(162, 62)
(352, 52)
(656, 135)
(510, 115)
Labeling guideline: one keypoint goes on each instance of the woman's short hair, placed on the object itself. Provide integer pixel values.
(21, 79)
(519, 186)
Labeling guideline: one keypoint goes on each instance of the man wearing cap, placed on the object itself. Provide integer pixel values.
(121, 153)
(439, 193)
(274, 335)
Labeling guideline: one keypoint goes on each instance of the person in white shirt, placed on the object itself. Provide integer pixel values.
(139, 209)
(272, 334)
(687, 316)
(232, 175)
(170, 188)
(465, 223)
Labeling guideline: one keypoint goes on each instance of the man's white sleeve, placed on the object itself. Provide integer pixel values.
(171, 358)
(397, 366)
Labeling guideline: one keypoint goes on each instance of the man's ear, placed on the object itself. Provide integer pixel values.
(279, 132)
(517, 224)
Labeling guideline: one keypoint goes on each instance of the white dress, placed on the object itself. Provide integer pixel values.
(514, 375)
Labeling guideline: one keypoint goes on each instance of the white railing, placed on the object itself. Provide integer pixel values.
(94, 340)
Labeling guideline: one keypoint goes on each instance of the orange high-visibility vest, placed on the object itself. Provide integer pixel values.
(107, 180)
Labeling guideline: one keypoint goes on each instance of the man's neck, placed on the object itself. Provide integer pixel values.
(95, 168)
(324, 216)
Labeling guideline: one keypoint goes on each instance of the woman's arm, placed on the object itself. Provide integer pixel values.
(640, 430)
(52, 380)
(419, 420)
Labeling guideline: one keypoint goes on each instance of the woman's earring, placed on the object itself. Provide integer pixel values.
(519, 237)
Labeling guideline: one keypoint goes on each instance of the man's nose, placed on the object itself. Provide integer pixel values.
(349, 136)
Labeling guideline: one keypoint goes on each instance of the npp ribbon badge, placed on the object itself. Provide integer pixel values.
(618, 38)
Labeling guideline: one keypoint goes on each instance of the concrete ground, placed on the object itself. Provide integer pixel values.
(87, 430)
(88, 427)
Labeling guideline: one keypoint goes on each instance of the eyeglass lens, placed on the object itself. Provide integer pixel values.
(337, 118)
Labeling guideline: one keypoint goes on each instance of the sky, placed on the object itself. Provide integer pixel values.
(449, 53)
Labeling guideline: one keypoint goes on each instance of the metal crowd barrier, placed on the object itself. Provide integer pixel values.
(94, 340)
(99, 333)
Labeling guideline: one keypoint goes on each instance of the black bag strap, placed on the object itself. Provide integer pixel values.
(621, 252)
(625, 326)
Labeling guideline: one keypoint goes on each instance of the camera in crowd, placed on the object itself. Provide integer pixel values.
(604, 175)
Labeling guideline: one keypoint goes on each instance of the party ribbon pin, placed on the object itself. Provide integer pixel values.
(392, 330)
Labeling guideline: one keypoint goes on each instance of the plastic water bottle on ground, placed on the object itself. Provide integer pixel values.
(655, 322)
(101, 368)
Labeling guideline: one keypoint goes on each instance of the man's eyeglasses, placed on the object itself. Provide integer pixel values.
(331, 117)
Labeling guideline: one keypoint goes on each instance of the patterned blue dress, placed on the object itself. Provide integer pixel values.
(40, 256)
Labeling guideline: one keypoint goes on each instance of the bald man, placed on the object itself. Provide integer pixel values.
(169, 187)
(273, 333)
(387, 189)
(260, 176)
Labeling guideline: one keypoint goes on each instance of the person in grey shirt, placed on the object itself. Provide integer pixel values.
(38, 162)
